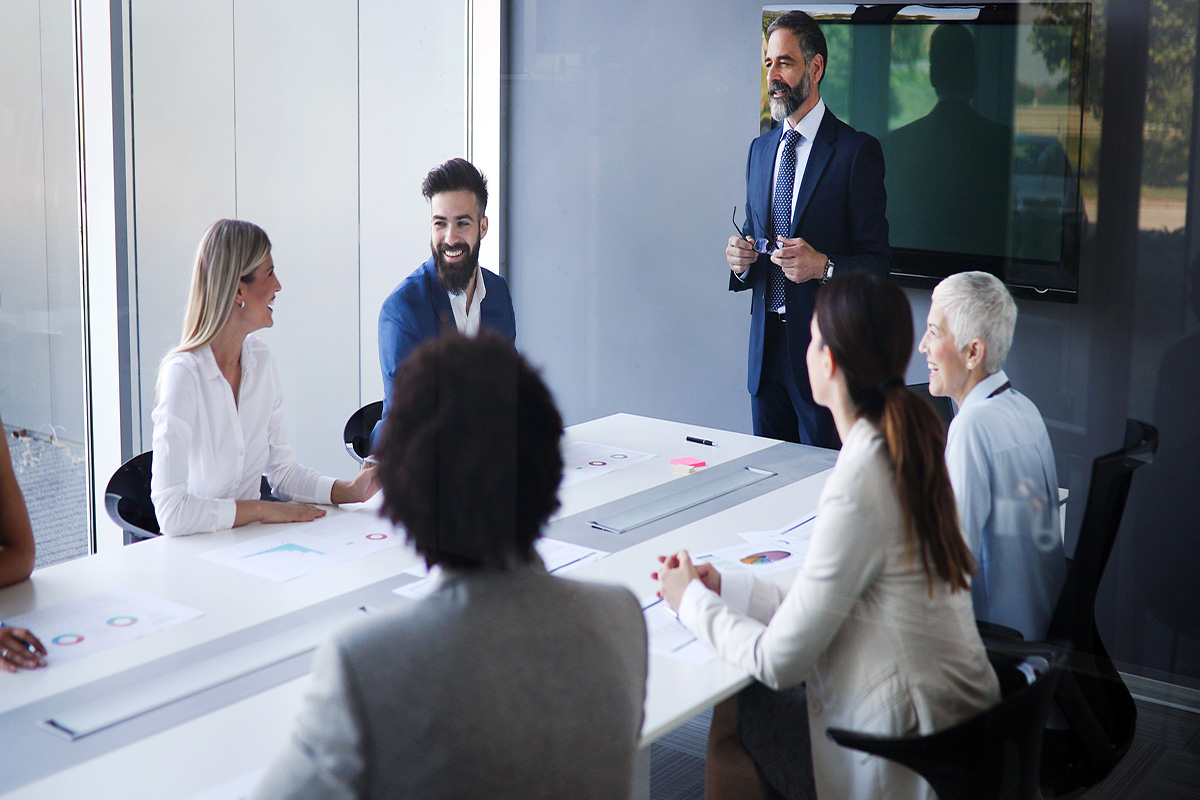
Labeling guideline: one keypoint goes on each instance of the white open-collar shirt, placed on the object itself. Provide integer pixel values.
(466, 318)
(210, 452)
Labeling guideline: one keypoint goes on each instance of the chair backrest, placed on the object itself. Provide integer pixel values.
(995, 755)
(942, 405)
(127, 499)
(1093, 699)
(357, 434)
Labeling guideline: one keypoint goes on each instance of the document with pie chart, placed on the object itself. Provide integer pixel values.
(78, 628)
(305, 548)
(586, 460)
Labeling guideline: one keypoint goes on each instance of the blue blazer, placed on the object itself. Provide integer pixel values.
(840, 211)
(418, 309)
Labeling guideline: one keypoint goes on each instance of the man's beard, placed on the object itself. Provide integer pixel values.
(454, 276)
(796, 96)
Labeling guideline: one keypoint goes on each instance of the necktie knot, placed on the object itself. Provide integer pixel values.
(793, 137)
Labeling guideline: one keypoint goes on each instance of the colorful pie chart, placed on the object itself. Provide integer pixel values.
(66, 639)
(122, 622)
(766, 557)
(376, 536)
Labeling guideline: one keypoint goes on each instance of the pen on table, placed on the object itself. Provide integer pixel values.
(694, 440)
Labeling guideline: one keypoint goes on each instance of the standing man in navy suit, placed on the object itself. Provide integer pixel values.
(815, 205)
(450, 290)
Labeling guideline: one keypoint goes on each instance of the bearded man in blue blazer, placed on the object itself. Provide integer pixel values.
(450, 291)
(815, 206)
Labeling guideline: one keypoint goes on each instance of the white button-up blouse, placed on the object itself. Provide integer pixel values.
(210, 451)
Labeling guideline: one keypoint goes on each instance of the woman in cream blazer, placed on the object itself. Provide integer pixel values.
(879, 620)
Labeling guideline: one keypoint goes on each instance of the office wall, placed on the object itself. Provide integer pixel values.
(41, 347)
(316, 121)
(627, 129)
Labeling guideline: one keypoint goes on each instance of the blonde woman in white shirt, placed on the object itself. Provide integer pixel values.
(218, 424)
(878, 622)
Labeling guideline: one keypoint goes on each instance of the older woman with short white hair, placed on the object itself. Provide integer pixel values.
(218, 424)
(998, 454)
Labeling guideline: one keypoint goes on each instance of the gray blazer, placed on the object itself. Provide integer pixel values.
(500, 684)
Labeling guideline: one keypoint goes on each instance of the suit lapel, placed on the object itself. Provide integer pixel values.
(818, 158)
(762, 204)
(439, 299)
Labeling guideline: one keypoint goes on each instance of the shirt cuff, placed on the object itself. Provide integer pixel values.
(742, 276)
(689, 604)
(736, 588)
(226, 514)
(324, 490)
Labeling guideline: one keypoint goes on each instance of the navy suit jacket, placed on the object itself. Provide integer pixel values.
(419, 309)
(840, 211)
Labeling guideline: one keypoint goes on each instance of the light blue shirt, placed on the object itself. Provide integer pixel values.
(1002, 469)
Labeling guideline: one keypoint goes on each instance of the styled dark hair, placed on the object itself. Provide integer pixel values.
(808, 33)
(866, 322)
(469, 457)
(457, 174)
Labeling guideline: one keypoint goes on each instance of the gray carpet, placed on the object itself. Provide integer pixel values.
(53, 478)
(1162, 764)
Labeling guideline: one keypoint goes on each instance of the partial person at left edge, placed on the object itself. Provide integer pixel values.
(450, 291)
(218, 424)
(18, 647)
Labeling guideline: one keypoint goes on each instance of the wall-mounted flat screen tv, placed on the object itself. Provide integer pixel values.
(980, 109)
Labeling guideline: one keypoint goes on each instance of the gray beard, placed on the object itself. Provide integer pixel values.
(784, 107)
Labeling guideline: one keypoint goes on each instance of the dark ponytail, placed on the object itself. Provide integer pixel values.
(866, 322)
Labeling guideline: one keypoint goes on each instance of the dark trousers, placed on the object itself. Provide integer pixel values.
(778, 409)
(773, 727)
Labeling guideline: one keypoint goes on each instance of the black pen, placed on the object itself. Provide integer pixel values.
(694, 440)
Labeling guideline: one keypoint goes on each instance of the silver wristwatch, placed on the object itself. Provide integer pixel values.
(828, 271)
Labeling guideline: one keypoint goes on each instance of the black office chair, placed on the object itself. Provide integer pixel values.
(357, 434)
(1091, 695)
(942, 405)
(995, 755)
(127, 498)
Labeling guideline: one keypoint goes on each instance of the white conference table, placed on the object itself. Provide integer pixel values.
(207, 751)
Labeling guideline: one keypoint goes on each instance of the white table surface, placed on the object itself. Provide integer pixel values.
(207, 751)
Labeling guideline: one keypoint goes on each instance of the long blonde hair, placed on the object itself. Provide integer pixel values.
(228, 254)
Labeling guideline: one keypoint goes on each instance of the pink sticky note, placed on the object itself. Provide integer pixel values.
(688, 462)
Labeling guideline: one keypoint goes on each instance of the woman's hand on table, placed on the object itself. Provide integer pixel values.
(362, 488)
(20, 649)
(677, 572)
(289, 512)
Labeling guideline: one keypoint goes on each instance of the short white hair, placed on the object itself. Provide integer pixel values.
(978, 306)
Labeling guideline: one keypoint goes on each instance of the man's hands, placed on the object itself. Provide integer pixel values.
(740, 254)
(796, 257)
(798, 260)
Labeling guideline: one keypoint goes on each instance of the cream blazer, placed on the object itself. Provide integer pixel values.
(879, 654)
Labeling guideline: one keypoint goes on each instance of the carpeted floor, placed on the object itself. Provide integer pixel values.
(1162, 764)
(53, 478)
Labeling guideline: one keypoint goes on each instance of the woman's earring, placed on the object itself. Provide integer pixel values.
(241, 303)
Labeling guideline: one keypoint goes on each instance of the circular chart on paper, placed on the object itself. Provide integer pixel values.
(66, 639)
(375, 537)
(766, 557)
(619, 455)
(598, 463)
(122, 621)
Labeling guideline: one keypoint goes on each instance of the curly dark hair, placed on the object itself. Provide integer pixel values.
(469, 457)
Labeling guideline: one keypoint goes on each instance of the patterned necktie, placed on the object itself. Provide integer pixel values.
(781, 211)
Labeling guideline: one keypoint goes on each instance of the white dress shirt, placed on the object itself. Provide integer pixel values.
(1006, 485)
(880, 652)
(466, 318)
(210, 452)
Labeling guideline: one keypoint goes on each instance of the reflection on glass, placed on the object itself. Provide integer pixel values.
(41, 343)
